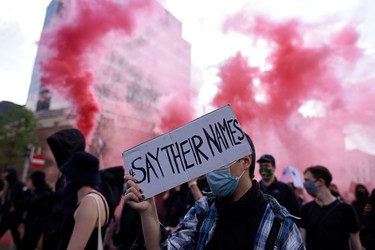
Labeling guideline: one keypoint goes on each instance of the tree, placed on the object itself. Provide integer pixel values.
(17, 126)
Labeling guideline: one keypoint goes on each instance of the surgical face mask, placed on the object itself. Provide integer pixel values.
(266, 173)
(221, 182)
(310, 188)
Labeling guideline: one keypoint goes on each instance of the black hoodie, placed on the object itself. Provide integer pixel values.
(63, 144)
(14, 196)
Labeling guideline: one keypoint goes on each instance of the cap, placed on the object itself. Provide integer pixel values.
(267, 158)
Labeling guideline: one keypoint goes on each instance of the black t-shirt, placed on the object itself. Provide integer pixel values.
(284, 194)
(367, 234)
(238, 221)
(328, 227)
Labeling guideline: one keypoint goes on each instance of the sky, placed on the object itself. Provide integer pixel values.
(21, 22)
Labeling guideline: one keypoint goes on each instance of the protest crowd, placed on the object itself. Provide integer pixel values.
(227, 208)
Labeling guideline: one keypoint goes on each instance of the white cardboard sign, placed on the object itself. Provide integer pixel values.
(192, 150)
(291, 173)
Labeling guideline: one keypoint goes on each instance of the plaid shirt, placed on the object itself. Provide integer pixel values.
(203, 216)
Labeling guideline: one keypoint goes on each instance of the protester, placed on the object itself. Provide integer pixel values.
(327, 222)
(299, 193)
(237, 215)
(198, 188)
(128, 229)
(367, 234)
(361, 197)
(175, 204)
(130, 223)
(38, 206)
(1, 192)
(269, 184)
(13, 206)
(85, 208)
(63, 144)
(335, 191)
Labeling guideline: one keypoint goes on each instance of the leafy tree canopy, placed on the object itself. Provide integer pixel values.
(17, 126)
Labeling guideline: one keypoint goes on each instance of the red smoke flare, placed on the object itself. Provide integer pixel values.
(73, 36)
(301, 68)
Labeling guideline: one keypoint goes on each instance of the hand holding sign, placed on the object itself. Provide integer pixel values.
(188, 152)
(134, 195)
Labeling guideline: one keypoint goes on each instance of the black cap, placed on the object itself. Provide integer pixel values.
(83, 168)
(267, 158)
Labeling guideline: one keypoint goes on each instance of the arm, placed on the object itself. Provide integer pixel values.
(85, 220)
(194, 189)
(355, 243)
(294, 238)
(303, 235)
(147, 210)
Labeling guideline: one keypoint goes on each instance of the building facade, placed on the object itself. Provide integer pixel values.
(133, 75)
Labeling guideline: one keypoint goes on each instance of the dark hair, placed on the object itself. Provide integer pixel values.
(38, 178)
(253, 156)
(69, 194)
(320, 172)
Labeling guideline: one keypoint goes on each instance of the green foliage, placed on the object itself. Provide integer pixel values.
(17, 126)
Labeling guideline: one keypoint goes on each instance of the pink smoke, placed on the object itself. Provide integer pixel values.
(70, 39)
(300, 70)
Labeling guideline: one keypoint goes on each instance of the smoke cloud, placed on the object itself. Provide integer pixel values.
(301, 103)
(72, 38)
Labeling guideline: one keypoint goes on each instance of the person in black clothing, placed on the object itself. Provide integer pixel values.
(14, 205)
(129, 229)
(361, 197)
(367, 234)
(269, 184)
(175, 206)
(86, 213)
(63, 144)
(38, 206)
(1, 192)
(327, 222)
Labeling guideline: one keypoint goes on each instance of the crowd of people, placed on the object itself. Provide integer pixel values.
(225, 209)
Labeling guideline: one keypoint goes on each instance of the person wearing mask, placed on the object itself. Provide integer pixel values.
(327, 222)
(269, 184)
(236, 215)
(13, 205)
(85, 208)
(38, 205)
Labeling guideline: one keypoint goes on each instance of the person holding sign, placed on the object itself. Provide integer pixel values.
(236, 215)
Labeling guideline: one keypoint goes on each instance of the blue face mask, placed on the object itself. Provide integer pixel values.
(221, 182)
(310, 188)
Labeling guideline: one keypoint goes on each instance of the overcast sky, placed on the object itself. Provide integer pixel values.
(21, 23)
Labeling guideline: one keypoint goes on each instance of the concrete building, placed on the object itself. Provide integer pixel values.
(132, 76)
